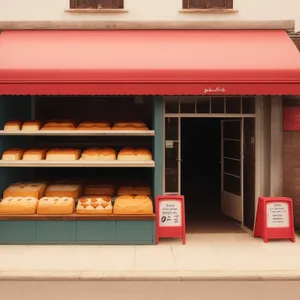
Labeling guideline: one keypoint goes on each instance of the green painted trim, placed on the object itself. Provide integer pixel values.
(158, 117)
(114, 232)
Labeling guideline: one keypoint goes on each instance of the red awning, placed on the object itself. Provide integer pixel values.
(149, 62)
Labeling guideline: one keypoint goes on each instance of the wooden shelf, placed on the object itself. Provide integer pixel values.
(80, 133)
(76, 217)
(78, 164)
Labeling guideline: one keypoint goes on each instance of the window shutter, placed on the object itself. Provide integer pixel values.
(120, 3)
(229, 4)
(200, 4)
(217, 4)
(96, 3)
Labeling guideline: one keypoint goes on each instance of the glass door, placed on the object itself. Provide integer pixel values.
(232, 169)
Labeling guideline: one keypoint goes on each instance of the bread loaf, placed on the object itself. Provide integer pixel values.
(94, 205)
(134, 124)
(63, 154)
(99, 189)
(137, 190)
(13, 125)
(133, 205)
(64, 190)
(130, 154)
(32, 126)
(129, 127)
(13, 154)
(34, 154)
(55, 206)
(90, 125)
(60, 125)
(18, 206)
(106, 154)
(26, 189)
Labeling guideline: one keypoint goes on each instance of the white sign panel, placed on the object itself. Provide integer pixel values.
(169, 144)
(278, 215)
(170, 213)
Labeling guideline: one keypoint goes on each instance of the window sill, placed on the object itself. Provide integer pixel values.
(209, 11)
(96, 11)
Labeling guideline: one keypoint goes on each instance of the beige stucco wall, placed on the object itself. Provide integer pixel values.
(145, 10)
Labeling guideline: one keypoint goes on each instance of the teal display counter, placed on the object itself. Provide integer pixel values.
(72, 230)
(109, 230)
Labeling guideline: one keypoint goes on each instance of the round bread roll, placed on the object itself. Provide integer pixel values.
(106, 154)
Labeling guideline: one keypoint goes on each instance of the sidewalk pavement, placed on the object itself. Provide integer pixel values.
(225, 256)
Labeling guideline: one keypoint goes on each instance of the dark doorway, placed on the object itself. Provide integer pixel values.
(249, 172)
(201, 176)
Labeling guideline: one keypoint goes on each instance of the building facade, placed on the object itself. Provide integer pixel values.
(210, 78)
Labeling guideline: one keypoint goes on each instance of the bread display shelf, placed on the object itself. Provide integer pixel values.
(76, 217)
(80, 133)
(79, 164)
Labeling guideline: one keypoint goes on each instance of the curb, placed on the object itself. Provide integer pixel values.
(150, 276)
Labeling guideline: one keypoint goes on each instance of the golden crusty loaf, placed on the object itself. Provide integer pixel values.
(13, 154)
(13, 125)
(130, 126)
(133, 205)
(18, 206)
(131, 154)
(26, 189)
(94, 205)
(99, 154)
(134, 124)
(32, 126)
(34, 154)
(55, 206)
(64, 190)
(134, 190)
(60, 125)
(94, 125)
(63, 154)
(99, 189)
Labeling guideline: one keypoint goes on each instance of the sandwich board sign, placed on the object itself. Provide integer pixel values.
(275, 219)
(170, 217)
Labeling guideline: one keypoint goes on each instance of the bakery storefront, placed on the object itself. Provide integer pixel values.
(95, 124)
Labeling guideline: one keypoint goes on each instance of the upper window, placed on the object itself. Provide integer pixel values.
(96, 4)
(207, 4)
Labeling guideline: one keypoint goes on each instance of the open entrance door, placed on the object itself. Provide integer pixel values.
(232, 169)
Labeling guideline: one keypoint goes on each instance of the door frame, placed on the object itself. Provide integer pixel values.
(209, 115)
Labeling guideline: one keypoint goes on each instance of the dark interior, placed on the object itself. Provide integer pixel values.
(107, 108)
(201, 176)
